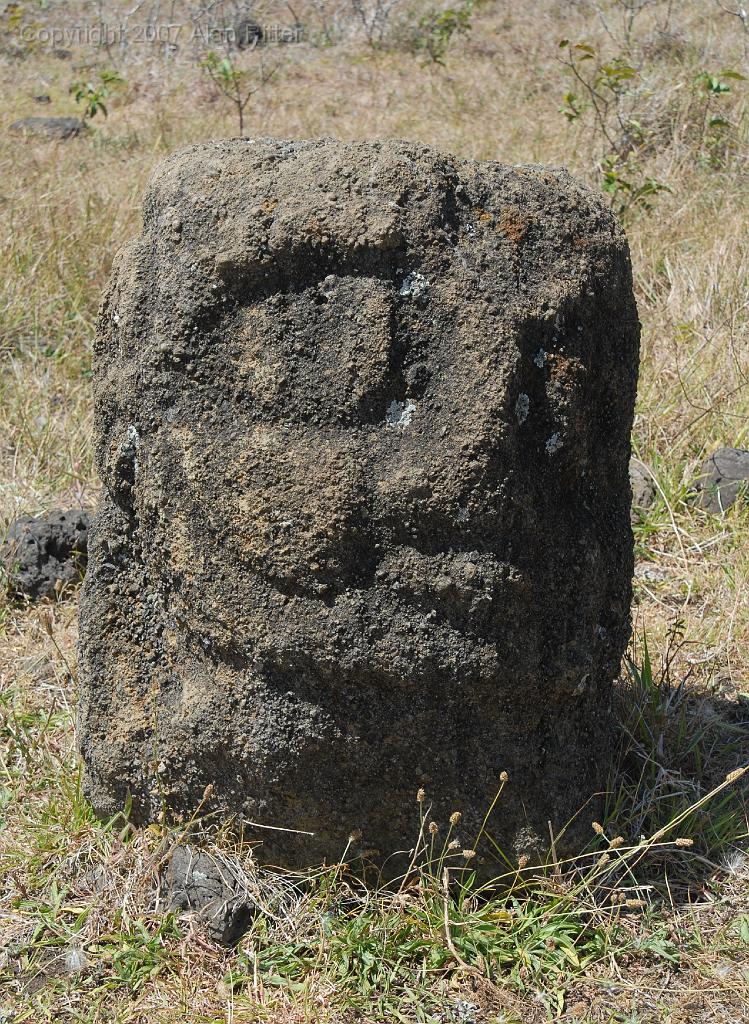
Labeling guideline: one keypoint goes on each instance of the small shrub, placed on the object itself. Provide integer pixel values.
(716, 135)
(236, 84)
(374, 18)
(92, 96)
(436, 28)
(603, 99)
(630, 119)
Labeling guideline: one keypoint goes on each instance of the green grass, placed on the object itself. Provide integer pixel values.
(89, 921)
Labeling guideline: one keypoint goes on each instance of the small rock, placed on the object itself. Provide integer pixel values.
(460, 1012)
(43, 98)
(643, 571)
(49, 127)
(722, 478)
(214, 890)
(41, 550)
(248, 34)
(643, 485)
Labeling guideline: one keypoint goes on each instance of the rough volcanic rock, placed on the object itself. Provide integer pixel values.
(643, 486)
(49, 127)
(362, 419)
(722, 478)
(212, 888)
(41, 551)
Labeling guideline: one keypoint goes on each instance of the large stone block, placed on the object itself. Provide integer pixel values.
(362, 420)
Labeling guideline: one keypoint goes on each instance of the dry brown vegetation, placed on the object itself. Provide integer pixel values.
(660, 930)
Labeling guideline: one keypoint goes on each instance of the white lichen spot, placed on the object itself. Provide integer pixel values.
(540, 359)
(116, 317)
(522, 406)
(328, 285)
(414, 286)
(554, 444)
(130, 447)
(399, 414)
(463, 515)
(581, 686)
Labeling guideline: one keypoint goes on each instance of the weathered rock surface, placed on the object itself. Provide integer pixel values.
(362, 419)
(49, 127)
(722, 478)
(213, 889)
(41, 551)
(643, 487)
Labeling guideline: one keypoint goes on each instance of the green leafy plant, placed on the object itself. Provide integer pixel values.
(436, 29)
(718, 132)
(631, 118)
(713, 85)
(93, 96)
(139, 953)
(235, 83)
(602, 97)
(616, 183)
(602, 85)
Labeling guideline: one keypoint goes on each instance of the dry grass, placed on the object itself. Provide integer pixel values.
(679, 952)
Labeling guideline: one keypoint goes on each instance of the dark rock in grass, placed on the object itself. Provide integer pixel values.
(49, 127)
(723, 477)
(363, 421)
(643, 486)
(42, 551)
(43, 98)
(248, 34)
(213, 889)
